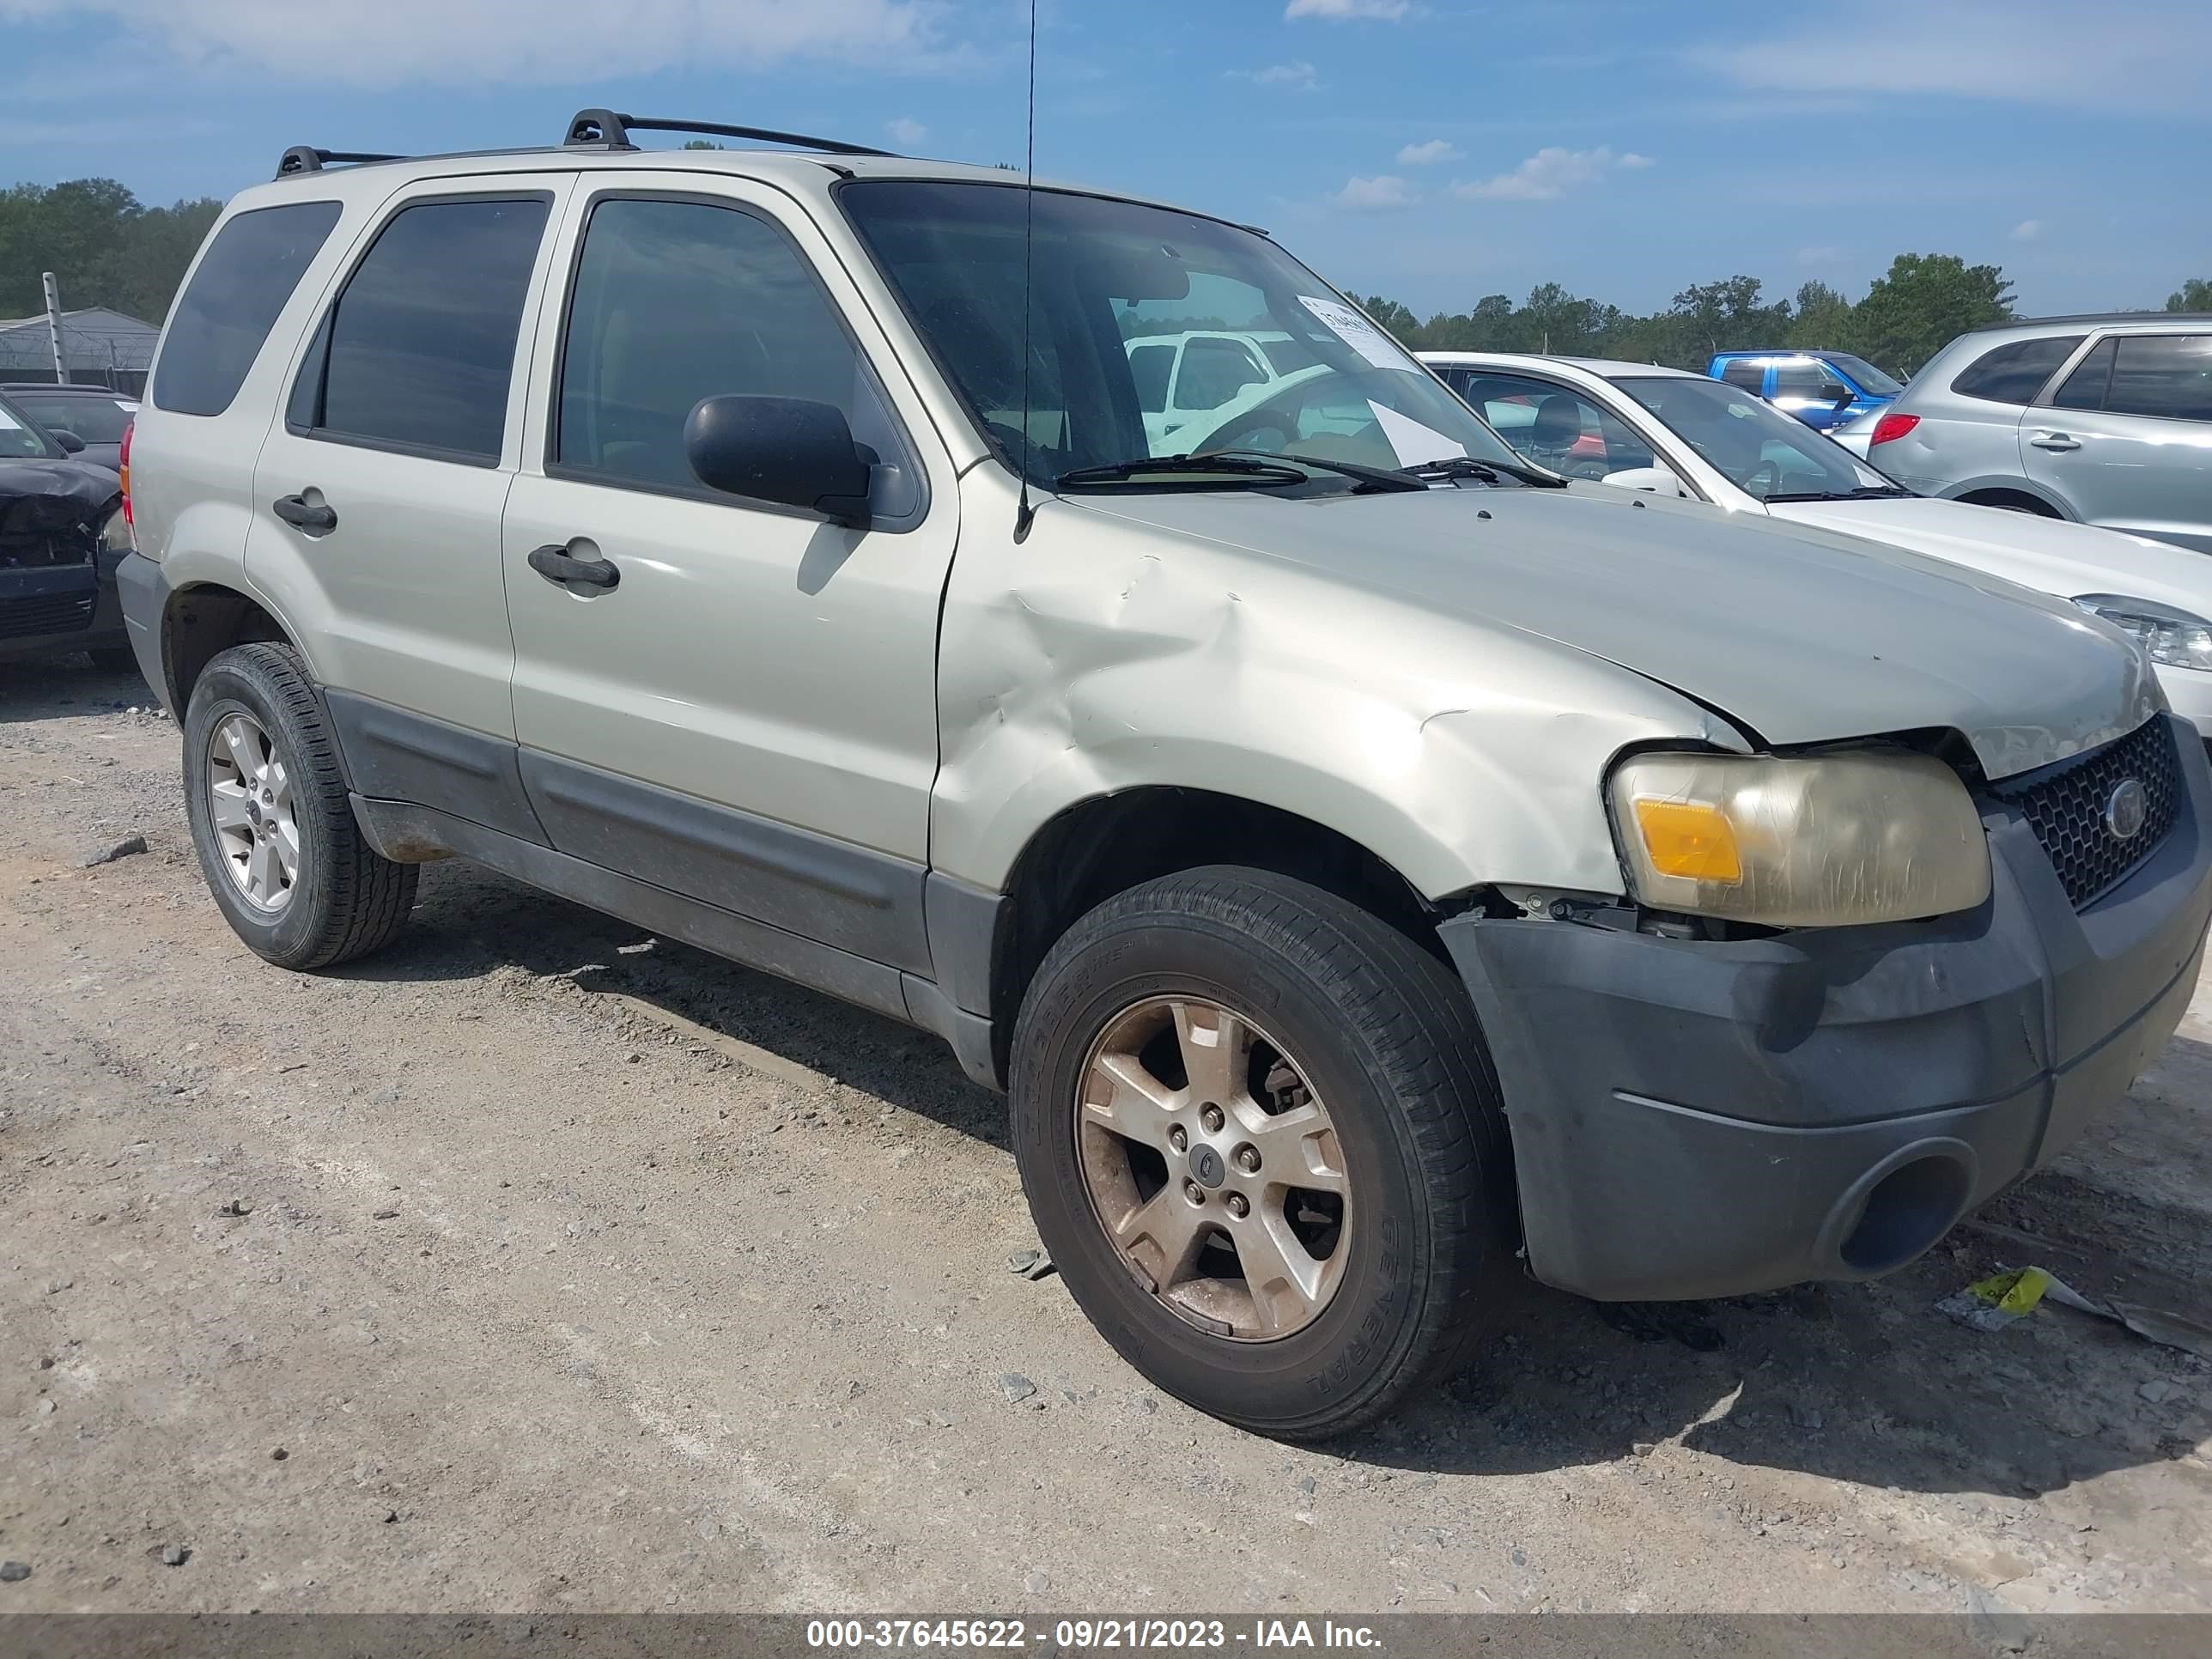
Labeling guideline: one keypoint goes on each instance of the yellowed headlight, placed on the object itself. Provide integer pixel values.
(1812, 841)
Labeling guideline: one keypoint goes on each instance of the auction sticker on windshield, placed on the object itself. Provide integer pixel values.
(1413, 442)
(1356, 332)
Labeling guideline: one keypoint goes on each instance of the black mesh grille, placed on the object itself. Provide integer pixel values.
(2065, 806)
(47, 613)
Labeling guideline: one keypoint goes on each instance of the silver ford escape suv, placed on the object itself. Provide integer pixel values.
(1370, 863)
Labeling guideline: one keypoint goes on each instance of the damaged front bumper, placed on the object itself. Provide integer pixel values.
(1695, 1119)
(56, 608)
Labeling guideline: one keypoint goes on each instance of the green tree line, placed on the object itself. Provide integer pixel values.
(1904, 317)
(103, 245)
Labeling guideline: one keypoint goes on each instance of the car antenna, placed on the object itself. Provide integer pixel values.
(1024, 512)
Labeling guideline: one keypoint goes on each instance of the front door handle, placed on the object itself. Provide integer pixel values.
(555, 563)
(318, 518)
(2055, 440)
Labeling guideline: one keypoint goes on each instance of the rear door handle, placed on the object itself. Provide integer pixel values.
(555, 563)
(2055, 440)
(318, 519)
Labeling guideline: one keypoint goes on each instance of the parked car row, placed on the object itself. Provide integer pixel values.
(1660, 429)
(1377, 856)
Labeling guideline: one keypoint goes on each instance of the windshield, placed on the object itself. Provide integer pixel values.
(19, 439)
(1760, 450)
(95, 420)
(1266, 357)
(1872, 381)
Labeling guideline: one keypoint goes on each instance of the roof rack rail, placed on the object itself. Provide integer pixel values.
(306, 158)
(601, 129)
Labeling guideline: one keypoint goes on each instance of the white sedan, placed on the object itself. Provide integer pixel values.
(1660, 429)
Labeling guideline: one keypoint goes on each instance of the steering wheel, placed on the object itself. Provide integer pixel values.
(1035, 457)
(1272, 427)
(1764, 479)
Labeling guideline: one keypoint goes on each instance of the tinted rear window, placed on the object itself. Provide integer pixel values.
(218, 327)
(2014, 373)
(420, 344)
(95, 420)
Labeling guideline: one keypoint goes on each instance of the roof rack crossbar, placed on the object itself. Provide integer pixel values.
(306, 158)
(602, 128)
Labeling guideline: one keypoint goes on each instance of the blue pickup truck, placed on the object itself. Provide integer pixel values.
(1824, 389)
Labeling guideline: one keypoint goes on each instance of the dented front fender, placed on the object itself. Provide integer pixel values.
(1100, 655)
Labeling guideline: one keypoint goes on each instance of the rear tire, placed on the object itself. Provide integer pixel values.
(342, 899)
(1344, 1016)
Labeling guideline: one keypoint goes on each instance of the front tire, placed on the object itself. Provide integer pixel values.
(276, 835)
(1261, 1136)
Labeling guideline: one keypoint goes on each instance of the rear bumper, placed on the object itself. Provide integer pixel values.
(142, 594)
(1692, 1119)
(48, 612)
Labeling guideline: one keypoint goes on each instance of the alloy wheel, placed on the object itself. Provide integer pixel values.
(250, 810)
(1214, 1168)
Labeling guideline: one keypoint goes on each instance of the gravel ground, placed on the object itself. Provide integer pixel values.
(539, 1264)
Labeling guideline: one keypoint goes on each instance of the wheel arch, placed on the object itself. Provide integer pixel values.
(201, 619)
(1109, 843)
(2016, 495)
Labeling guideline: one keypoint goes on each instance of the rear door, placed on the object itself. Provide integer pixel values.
(377, 495)
(748, 714)
(1810, 390)
(2125, 440)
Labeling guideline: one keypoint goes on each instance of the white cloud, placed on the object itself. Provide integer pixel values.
(1551, 172)
(1337, 10)
(529, 41)
(907, 131)
(1300, 76)
(1428, 155)
(1376, 195)
(2123, 54)
(2027, 230)
(1823, 255)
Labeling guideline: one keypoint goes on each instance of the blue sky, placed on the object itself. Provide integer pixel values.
(1430, 150)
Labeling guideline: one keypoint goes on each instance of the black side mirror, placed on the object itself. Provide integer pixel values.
(70, 443)
(792, 451)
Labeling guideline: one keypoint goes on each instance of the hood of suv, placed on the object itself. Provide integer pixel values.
(1797, 633)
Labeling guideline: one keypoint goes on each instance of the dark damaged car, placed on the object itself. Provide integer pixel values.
(62, 534)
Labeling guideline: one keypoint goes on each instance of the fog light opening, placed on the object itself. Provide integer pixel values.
(1906, 1212)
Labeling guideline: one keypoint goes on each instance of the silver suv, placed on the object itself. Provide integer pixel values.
(1367, 861)
(2104, 420)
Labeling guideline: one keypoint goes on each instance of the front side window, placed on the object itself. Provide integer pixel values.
(217, 327)
(676, 301)
(1757, 447)
(2165, 375)
(418, 353)
(1556, 428)
(1107, 272)
(1214, 371)
(1809, 382)
(2014, 373)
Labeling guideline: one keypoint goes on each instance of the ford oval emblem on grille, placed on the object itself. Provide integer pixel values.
(2126, 808)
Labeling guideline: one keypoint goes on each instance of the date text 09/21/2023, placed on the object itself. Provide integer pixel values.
(1083, 1635)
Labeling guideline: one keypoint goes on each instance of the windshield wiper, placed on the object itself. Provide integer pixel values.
(1371, 476)
(1466, 466)
(1236, 469)
(1866, 493)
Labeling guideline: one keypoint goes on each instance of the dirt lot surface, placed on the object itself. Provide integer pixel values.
(539, 1264)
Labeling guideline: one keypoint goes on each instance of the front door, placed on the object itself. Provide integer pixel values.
(741, 706)
(2125, 440)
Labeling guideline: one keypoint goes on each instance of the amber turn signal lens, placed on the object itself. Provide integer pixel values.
(1689, 839)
